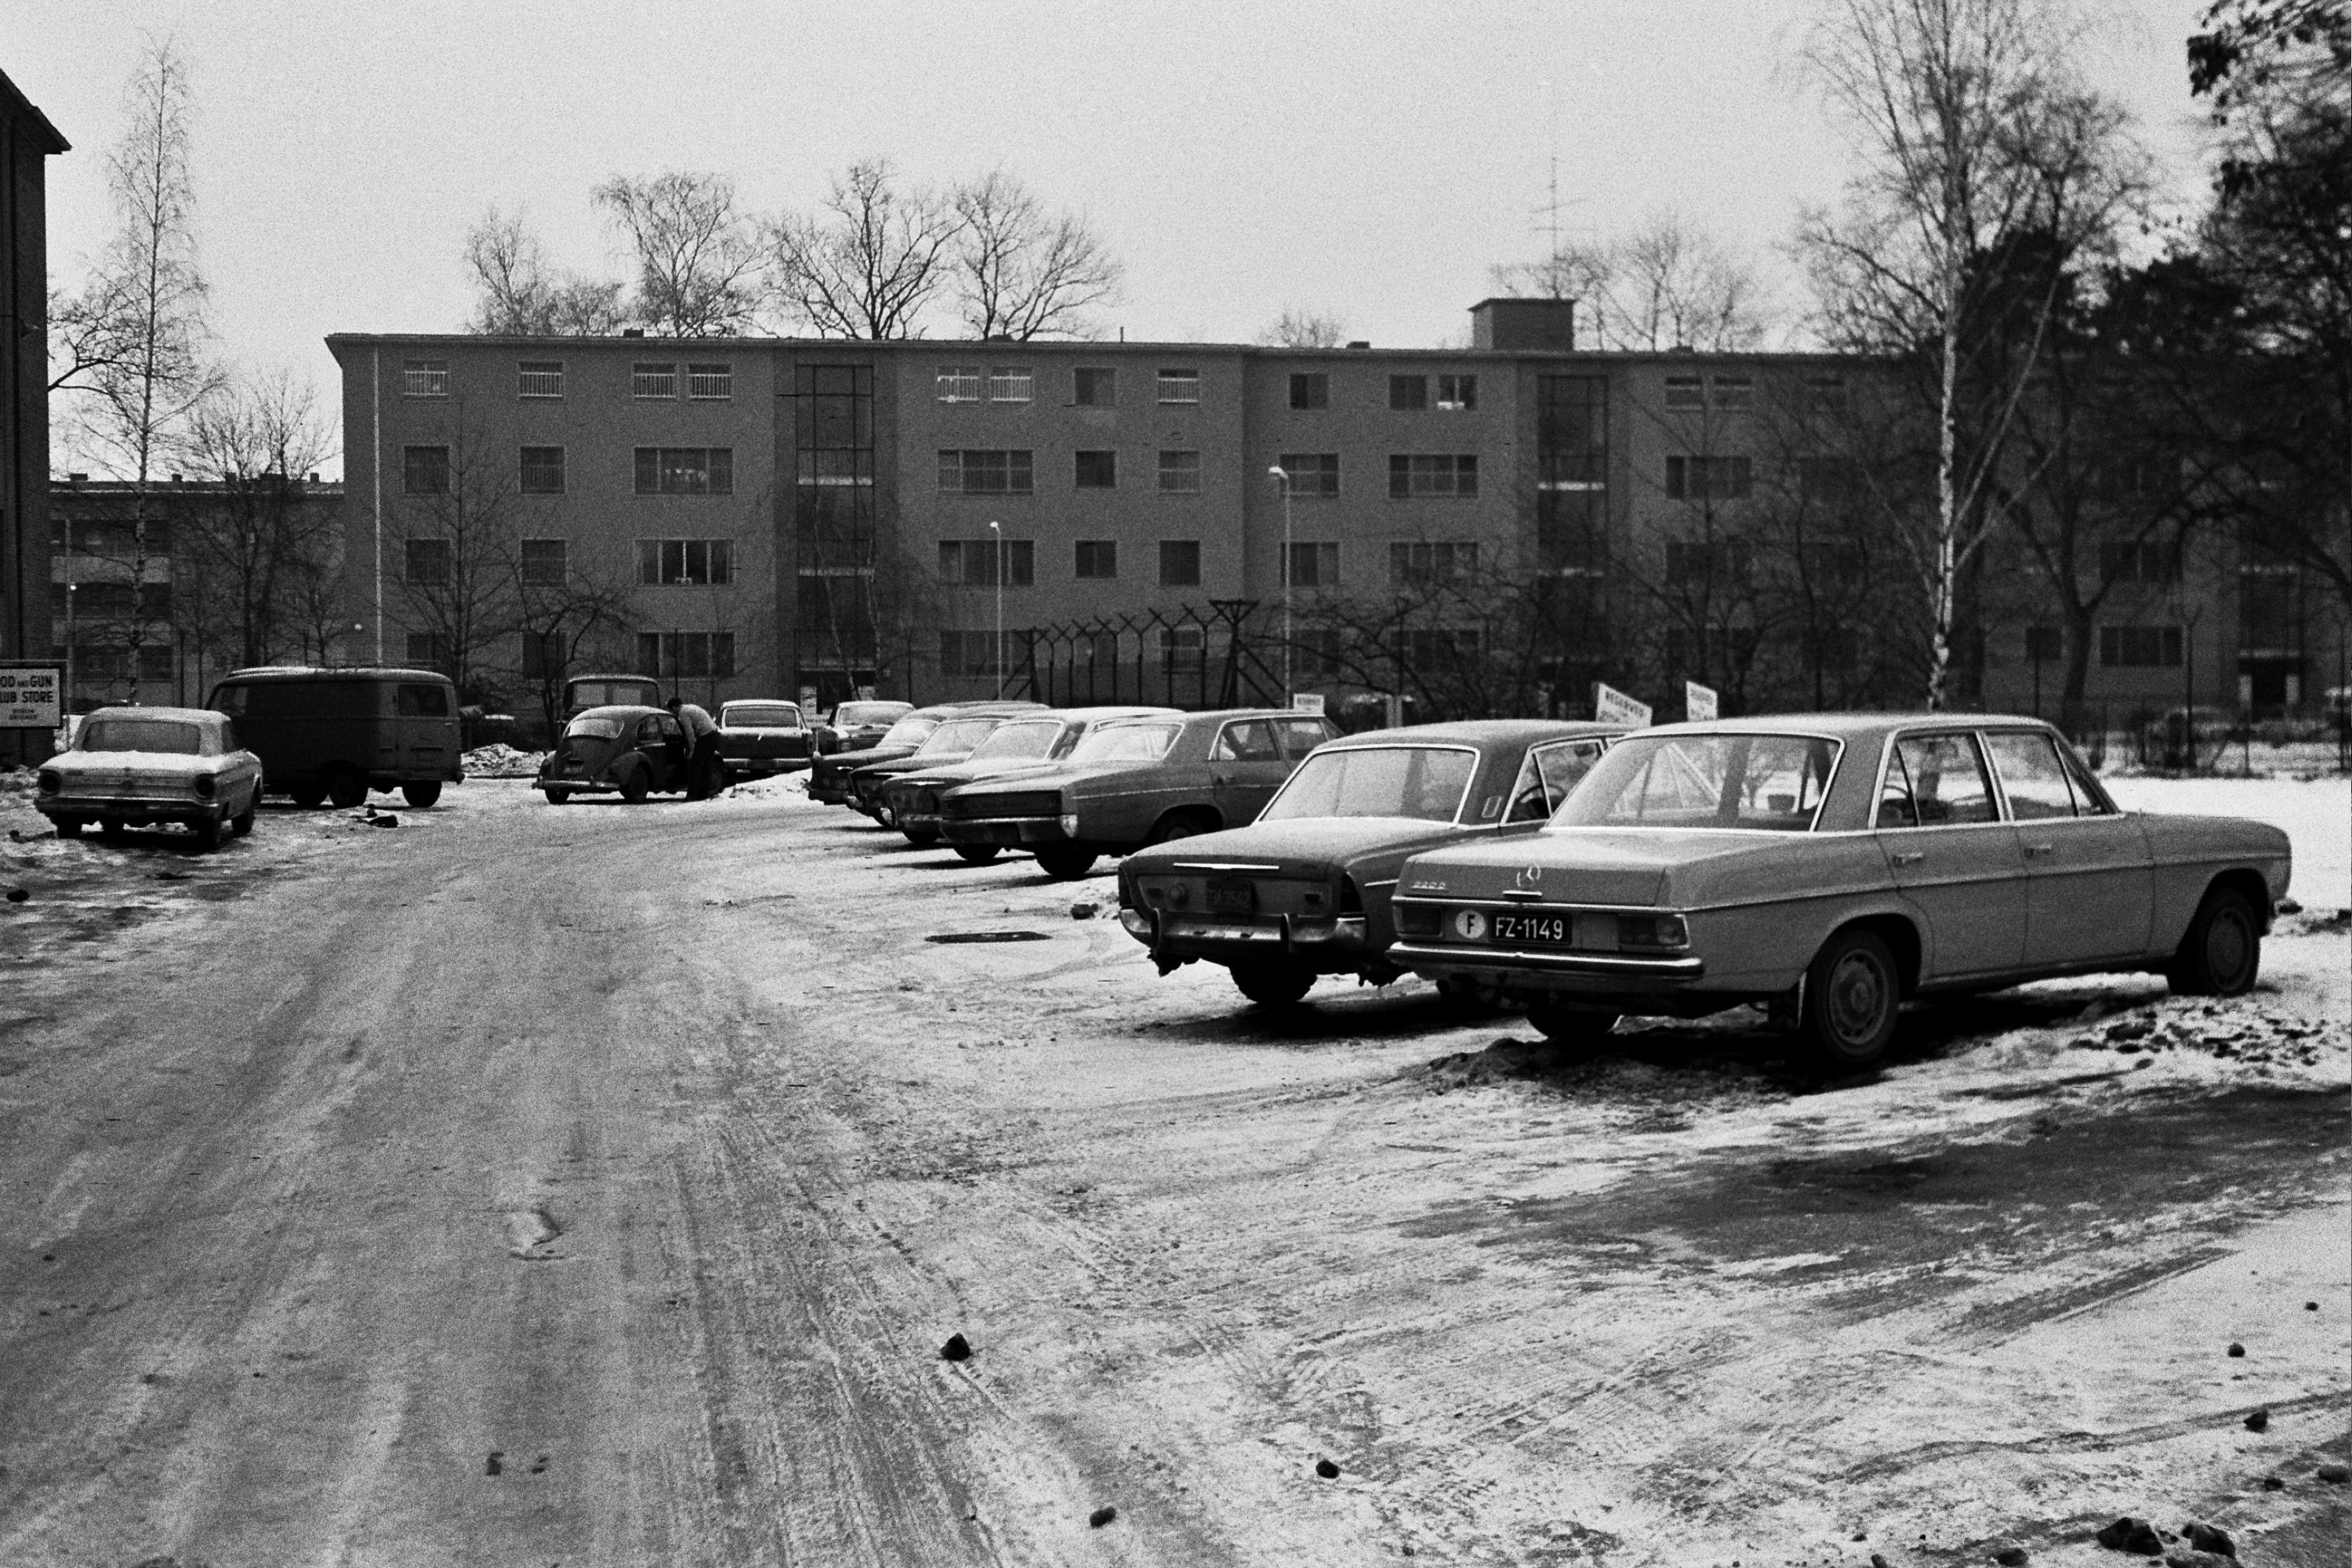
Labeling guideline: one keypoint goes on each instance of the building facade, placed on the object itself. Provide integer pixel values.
(27, 141)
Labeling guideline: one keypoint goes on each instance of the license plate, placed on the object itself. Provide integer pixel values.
(1558, 930)
(1232, 895)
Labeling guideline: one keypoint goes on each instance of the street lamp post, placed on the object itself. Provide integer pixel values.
(69, 637)
(1282, 479)
(998, 530)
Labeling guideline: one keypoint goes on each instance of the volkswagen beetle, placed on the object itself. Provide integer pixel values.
(626, 750)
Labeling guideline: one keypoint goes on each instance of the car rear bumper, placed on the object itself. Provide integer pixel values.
(1003, 830)
(1597, 971)
(90, 808)
(1341, 944)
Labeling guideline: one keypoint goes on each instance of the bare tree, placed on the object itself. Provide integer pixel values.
(519, 294)
(1977, 142)
(870, 261)
(698, 258)
(1021, 272)
(89, 332)
(244, 545)
(457, 531)
(1300, 328)
(1666, 285)
(563, 602)
(151, 296)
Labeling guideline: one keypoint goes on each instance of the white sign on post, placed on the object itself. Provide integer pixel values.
(1699, 703)
(808, 703)
(1611, 706)
(32, 698)
(1307, 701)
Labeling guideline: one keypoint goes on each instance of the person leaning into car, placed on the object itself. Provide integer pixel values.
(701, 747)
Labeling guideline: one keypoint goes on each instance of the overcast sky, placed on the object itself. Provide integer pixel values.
(1368, 159)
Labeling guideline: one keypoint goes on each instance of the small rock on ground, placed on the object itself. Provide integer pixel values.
(1101, 1517)
(2011, 1556)
(2133, 1535)
(958, 1348)
(2337, 1474)
(2210, 1538)
(2260, 1421)
(1326, 1469)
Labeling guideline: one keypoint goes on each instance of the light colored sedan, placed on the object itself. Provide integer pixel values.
(132, 766)
(1832, 867)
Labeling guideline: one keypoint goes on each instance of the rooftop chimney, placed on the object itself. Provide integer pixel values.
(633, 332)
(1543, 325)
(1361, 343)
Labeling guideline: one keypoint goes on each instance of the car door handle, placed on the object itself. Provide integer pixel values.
(2032, 849)
(1908, 857)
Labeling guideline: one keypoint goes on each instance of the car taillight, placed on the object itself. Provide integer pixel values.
(1416, 920)
(203, 786)
(1651, 930)
(51, 781)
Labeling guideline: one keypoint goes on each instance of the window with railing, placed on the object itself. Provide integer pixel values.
(960, 383)
(540, 377)
(425, 378)
(710, 382)
(974, 471)
(653, 378)
(1008, 384)
(1179, 386)
(1179, 473)
(686, 471)
(424, 470)
(543, 562)
(541, 471)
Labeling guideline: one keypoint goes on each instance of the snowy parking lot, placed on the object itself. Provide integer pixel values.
(599, 1183)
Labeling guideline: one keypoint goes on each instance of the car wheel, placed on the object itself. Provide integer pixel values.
(1178, 825)
(346, 789)
(1469, 997)
(1272, 985)
(1570, 1025)
(309, 798)
(558, 796)
(242, 823)
(209, 833)
(633, 787)
(1852, 992)
(422, 793)
(68, 827)
(1065, 862)
(2223, 949)
(978, 854)
(112, 829)
(921, 835)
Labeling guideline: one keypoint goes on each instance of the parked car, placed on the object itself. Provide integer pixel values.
(335, 734)
(829, 774)
(626, 749)
(760, 737)
(1304, 891)
(1136, 781)
(1832, 867)
(1026, 743)
(952, 741)
(582, 693)
(855, 726)
(132, 766)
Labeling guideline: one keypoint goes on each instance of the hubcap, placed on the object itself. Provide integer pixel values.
(1857, 996)
(2226, 947)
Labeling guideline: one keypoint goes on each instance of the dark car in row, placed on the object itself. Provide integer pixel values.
(830, 774)
(1020, 744)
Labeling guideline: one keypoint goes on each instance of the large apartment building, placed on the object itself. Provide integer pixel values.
(1123, 520)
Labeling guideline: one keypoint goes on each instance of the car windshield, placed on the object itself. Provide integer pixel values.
(761, 716)
(910, 731)
(850, 715)
(1030, 739)
(1426, 783)
(1724, 781)
(143, 735)
(593, 729)
(957, 735)
(1126, 744)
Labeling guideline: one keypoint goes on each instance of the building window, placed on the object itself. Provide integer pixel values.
(1408, 392)
(425, 378)
(543, 562)
(424, 470)
(542, 471)
(543, 656)
(2043, 643)
(1436, 648)
(1734, 392)
(969, 652)
(1420, 562)
(1095, 386)
(1311, 389)
(1694, 563)
(686, 471)
(2140, 647)
(1179, 386)
(1098, 470)
(687, 655)
(675, 562)
(432, 650)
(1180, 563)
(1179, 473)
(1457, 393)
(1313, 566)
(540, 377)
(1097, 558)
(1182, 648)
(973, 562)
(1686, 391)
(1443, 474)
(428, 563)
(972, 472)
(1831, 481)
(710, 382)
(1825, 394)
(1008, 383)
(649, 378)
(2141, 560)
(1312, 473)
(1709, 478)
(960, 383)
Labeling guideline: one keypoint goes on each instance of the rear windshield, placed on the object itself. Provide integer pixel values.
(1773, 783)
(850, 715)
(1033, 739)
(1126, 744)
(959, 736)
(761, 715)
(593, 729)
(612, 693)
(911, 730)
(142, 735)
(1426, 783)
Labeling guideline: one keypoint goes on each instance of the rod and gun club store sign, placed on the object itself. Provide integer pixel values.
(32, 696)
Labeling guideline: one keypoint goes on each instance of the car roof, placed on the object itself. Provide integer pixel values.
(1840, 726)
(290, 672)
(621, 711)
(1102, 714)
(137, 711)
(1480, 732)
